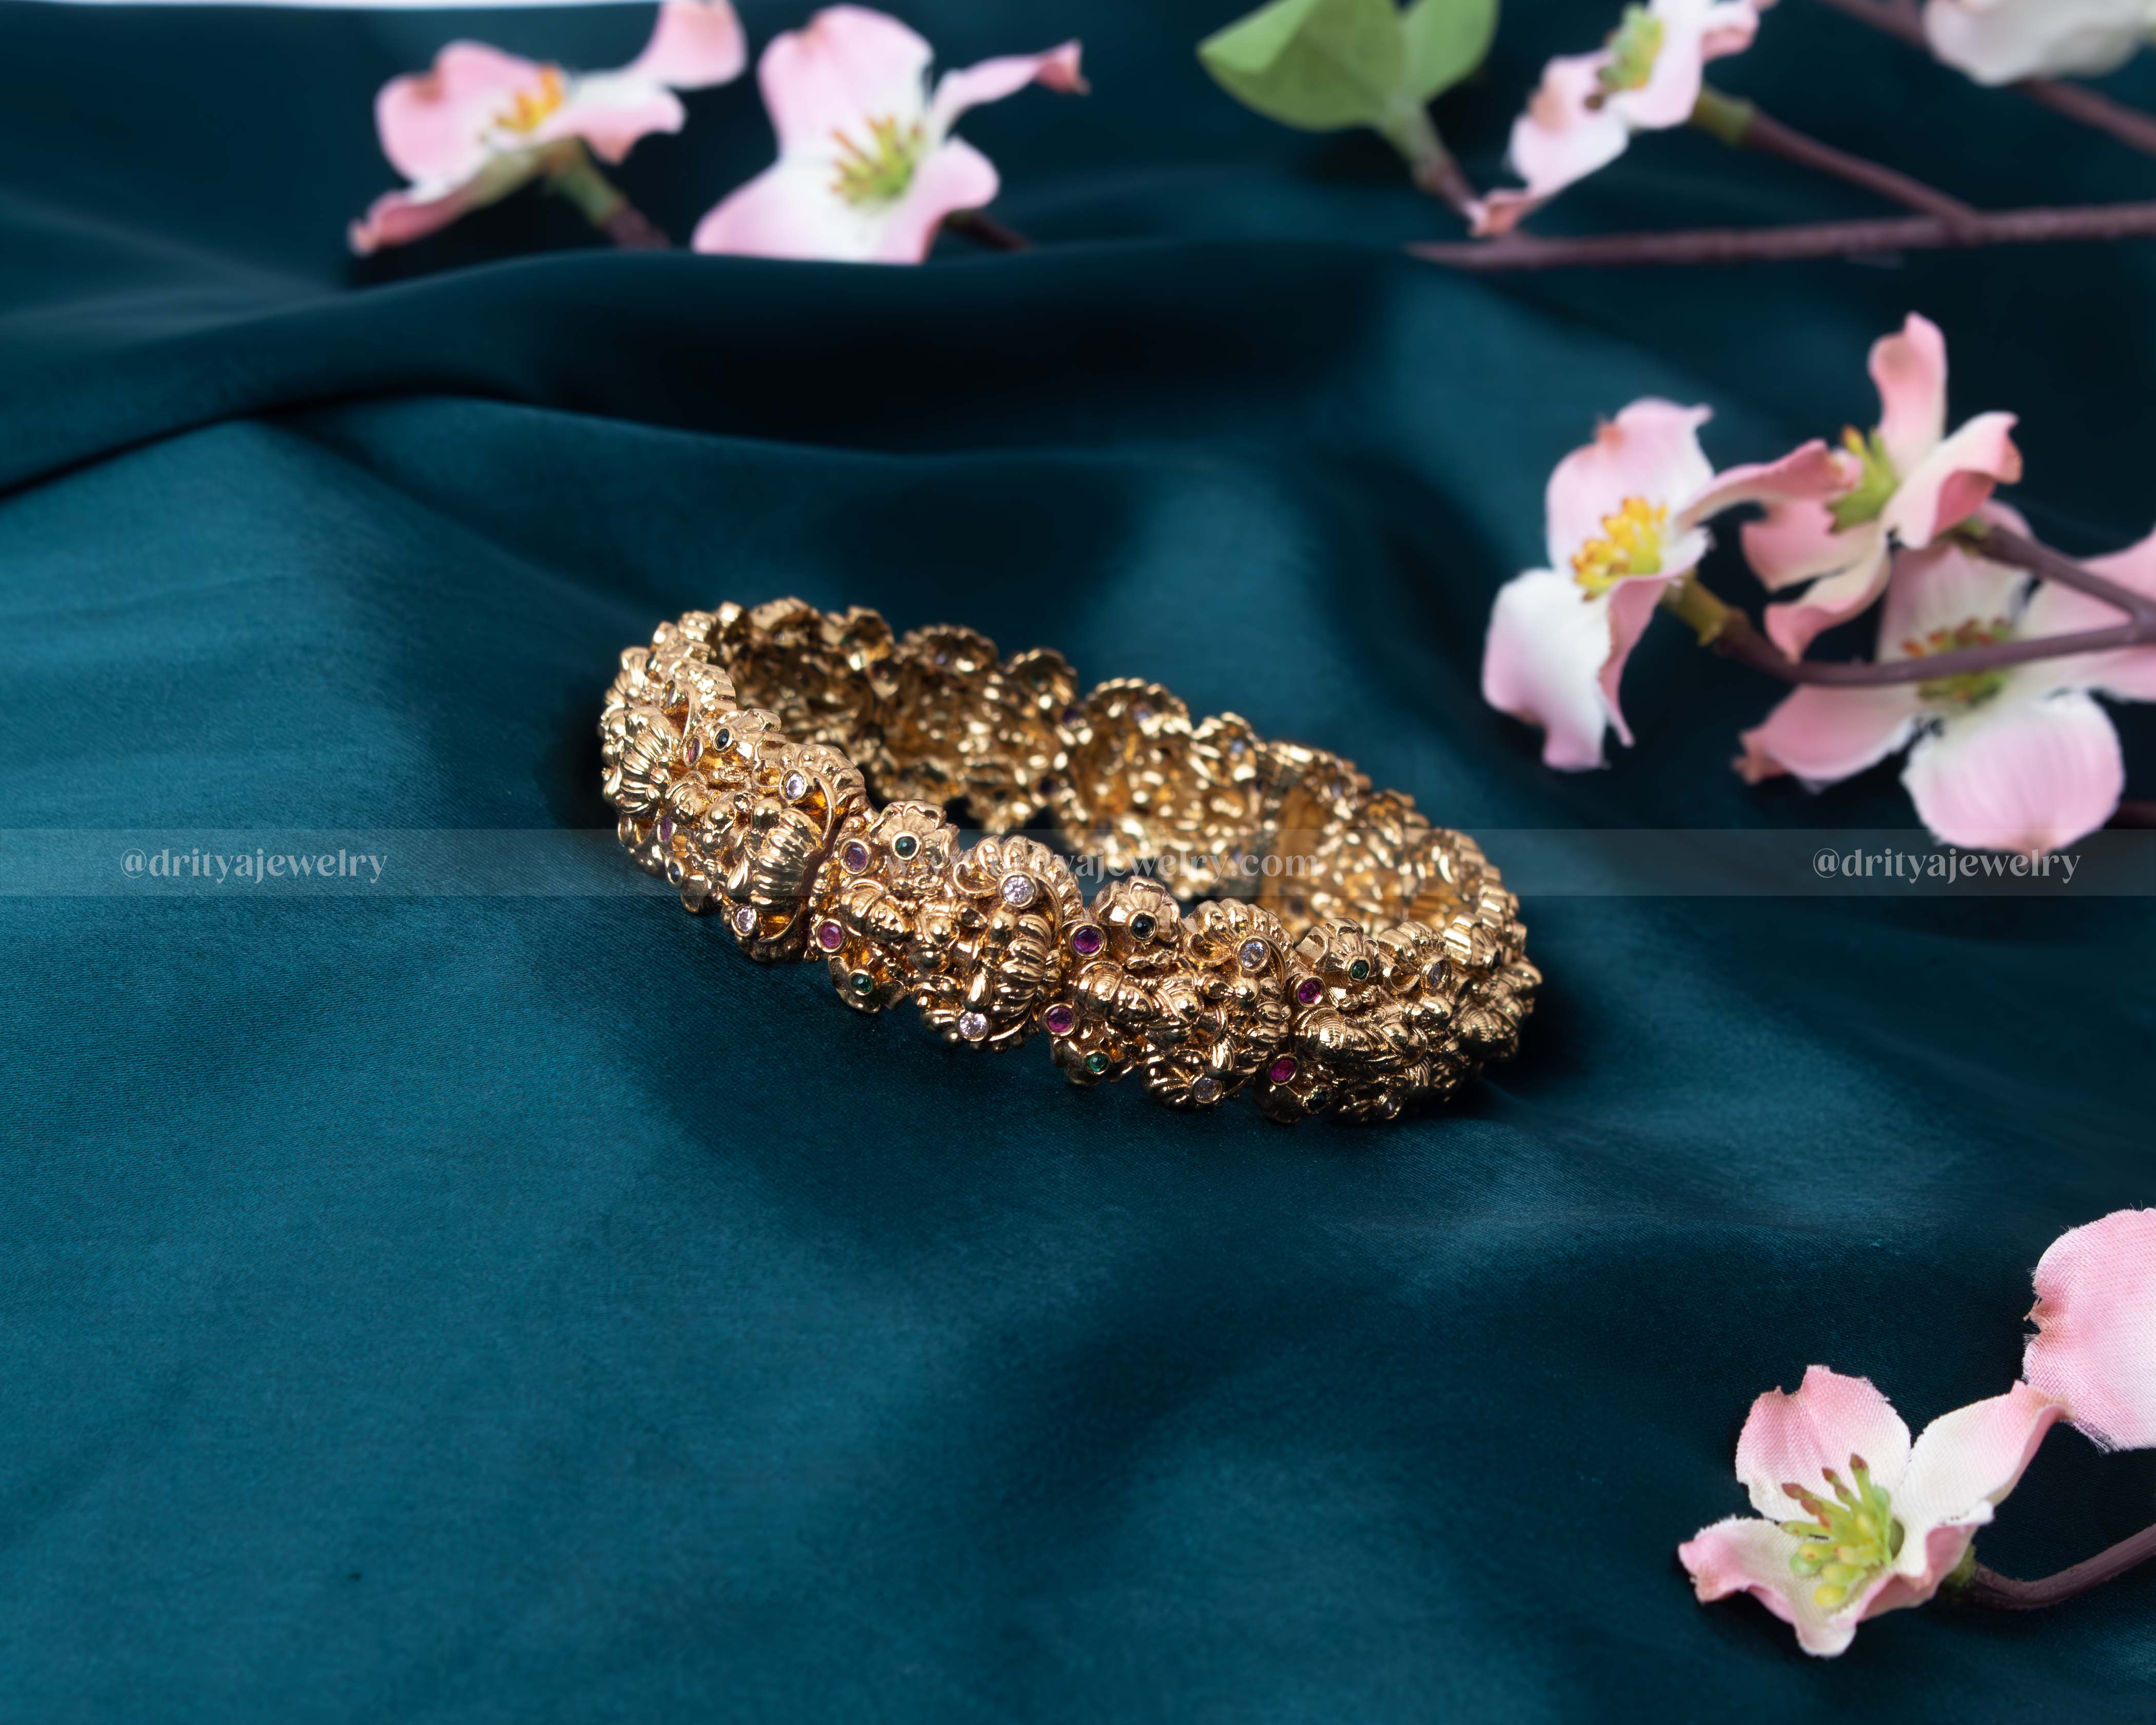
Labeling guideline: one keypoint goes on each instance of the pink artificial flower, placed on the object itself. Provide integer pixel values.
(867, 167)
(2018, 759)
(1625, 524)
(2095, 1345)
(1909, 482)
(1858, 1521)
(2005, 41)
(1647, 78)
(480, 124)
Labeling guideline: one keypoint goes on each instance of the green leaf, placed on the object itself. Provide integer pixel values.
(1319, 65)
(1446, 40)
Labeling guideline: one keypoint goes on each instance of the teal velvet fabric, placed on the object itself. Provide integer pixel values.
(470, 1306)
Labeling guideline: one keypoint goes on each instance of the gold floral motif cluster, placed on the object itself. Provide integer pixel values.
(788, 771)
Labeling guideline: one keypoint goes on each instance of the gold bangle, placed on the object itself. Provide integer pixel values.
(787, 770)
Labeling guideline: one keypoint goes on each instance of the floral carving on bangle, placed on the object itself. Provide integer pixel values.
(1420, 976)
(1234, 961)
(939, 680)
(826, 677)
(989, 951)
(1145, 786)
(1308, 798)
(1367, 866)
(806, 792)
(884, 870)
(1352, 1050)
(1127, 983)
(1011, 778)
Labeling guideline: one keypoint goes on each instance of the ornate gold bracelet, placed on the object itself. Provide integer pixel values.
(1356, 958)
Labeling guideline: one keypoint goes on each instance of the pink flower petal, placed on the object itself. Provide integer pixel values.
(847, 65)
(433, 124)
(1964, 1464)
(789, 211)
(1650, 451)
(1560, 138)
(1729, 28)
(1745, 1555)
(1793, 1440)
(2055, 609)
(2004, 41)
(1811, 473)
(695, 45)
(611, 113)
(1553, 659)
(1954, 480)
(2095, 1345)
(1910, 368)
(1825, 735)
(955, 177)
(1632, 607)
(398, 217)
(1793, 626)
(1942, 589)
(1797, 540)
(992, 80)
(2024, 775)
(1672, 88)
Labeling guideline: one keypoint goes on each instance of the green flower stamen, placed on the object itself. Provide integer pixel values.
(1634, 49)
(1968, 688)
(1847, 1543)
(880, 173)
(1875, 488)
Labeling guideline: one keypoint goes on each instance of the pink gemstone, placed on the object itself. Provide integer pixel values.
(1282, 1069)
(830, 937)
(1309, 991)
(1085, 940)
(855, 857)
(666, 831)
(692, 750)
(1058, 1019)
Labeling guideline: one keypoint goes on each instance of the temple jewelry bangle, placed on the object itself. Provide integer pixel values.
(788, 771)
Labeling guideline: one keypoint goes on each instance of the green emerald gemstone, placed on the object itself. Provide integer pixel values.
(1096, 1062)
(1141, 926)
(1359, 970)
(904, 844)
(862, 983)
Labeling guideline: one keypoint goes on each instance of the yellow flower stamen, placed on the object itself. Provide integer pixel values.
(1631, 545)
(532, 108)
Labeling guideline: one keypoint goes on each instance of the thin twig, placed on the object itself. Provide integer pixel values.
(2003, 544)
(1727, 629)
(631, 229)
(1904, 19)
(1783, 244)
(984, 229)
(2002, 1593)
(1738, 123)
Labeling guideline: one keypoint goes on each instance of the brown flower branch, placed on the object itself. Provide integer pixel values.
(1783, 244)
(2002, 1593)
(1727, 629)
(571, 171)
(1740, 125)
(1904, 19)
(983, 229)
